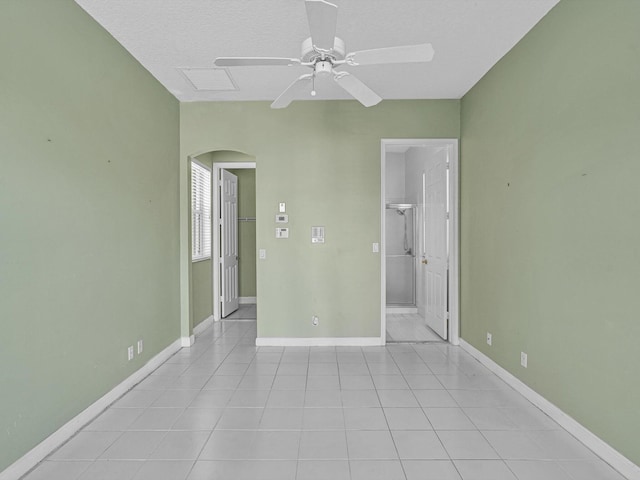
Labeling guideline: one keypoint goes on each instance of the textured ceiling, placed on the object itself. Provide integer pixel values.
(469, 37)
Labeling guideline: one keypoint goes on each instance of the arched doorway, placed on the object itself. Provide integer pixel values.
(206, 281)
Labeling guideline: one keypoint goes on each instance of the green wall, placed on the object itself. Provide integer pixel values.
(246, 232)
(202, 291)
(551, 214)
(201, 275)
(323, 159)
(89, 148)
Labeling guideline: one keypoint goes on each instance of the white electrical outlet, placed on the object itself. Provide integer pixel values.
(130, 353)
(523, 359)
(376, 247)
(489, 339)
(140, 346)
(315, 320)
(262, 253)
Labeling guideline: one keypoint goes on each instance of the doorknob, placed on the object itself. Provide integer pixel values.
(425, 261)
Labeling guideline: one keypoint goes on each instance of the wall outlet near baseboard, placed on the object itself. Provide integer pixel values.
(315, 320)
(523, 359)
(140, 346)
(489, 339)
(130, 353)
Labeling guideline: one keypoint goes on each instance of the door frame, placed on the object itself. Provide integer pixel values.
(215, 227)
(453, 285)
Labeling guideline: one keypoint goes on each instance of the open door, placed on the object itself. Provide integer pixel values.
(228, 243)
(435, 257)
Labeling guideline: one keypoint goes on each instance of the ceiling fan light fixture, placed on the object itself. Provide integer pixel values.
(323, 52)
(323, 68)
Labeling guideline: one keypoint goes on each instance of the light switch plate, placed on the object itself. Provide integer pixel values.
(282, 207)
(262, 253)
(376, 247)
(282, 218)
(282, 232)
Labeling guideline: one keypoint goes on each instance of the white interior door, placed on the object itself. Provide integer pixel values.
(435, 257)
(228, 243)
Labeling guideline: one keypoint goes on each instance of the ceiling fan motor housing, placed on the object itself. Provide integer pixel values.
(310, 54)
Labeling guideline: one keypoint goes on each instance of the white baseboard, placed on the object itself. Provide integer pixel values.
(185, 342)
(401, 310)
(320, 342)
(605, 451)
(69, 429)
(203, 325)
(247, 300)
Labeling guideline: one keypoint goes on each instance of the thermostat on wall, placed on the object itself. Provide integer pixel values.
(282, 232)
(282, 218)
(317, 234)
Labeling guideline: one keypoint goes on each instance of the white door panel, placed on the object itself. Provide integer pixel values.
(229, 243)
(434, 261)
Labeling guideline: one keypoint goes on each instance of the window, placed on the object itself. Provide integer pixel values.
(200, 212)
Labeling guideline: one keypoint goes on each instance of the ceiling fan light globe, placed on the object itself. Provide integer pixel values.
(323, 68)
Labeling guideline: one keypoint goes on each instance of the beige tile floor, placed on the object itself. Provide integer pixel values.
(225, 409)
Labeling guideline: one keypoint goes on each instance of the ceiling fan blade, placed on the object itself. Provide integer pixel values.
(405, 54)
(294, 90)
(357, 89)
(322, 17)
(255, 61)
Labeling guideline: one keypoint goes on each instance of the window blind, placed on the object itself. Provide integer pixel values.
(200, 212)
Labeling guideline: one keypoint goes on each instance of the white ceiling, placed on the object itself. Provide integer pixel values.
(469, 37)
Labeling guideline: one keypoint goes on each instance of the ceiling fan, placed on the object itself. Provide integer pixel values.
(323, 52)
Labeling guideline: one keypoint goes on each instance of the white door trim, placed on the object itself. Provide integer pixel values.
(454, 245)
(454, 241)
(215, 226)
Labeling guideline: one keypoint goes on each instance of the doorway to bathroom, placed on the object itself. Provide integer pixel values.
(419, 240)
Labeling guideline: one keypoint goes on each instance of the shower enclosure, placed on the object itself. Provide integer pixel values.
(400, 254)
